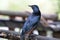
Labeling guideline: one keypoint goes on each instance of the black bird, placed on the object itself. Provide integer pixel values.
(31, 21)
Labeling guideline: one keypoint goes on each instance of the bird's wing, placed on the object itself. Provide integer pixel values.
(31, 21)
(35, 20)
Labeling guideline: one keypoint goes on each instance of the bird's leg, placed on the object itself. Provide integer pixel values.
(30, 31)
(28, 34)
(22, 37)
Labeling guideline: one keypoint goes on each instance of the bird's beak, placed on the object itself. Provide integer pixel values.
(29, 5)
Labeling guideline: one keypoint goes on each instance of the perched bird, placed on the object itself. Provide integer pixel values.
(31, 21)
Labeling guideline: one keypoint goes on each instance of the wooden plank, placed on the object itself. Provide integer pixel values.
(14, 13)
(16, 23)
(45, 38)
(38, 37)
(32, 37)
(26, 13)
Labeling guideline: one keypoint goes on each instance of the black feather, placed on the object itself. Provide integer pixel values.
(32, 20)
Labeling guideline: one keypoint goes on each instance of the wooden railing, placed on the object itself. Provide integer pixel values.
(13, 23)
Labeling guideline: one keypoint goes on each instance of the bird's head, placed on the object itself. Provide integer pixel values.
(35, 9)
(33, 6)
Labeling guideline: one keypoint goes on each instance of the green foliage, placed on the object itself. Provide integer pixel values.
(13, 7)
(58, 6)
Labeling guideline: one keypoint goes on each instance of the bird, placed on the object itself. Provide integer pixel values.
(31, 21)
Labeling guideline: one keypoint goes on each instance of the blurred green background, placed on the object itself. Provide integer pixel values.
(22, 5)
(46, 6)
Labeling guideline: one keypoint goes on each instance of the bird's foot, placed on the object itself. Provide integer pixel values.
(26, 36)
